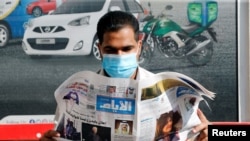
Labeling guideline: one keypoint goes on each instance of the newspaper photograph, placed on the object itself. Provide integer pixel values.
(95, 107)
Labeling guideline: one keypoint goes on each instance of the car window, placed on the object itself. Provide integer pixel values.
(118, 3)
(79, 6)
(127, 5)
(133, 6)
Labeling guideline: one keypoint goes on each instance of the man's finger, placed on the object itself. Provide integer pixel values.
(201, 116)
(52, 133)
(49, 136)
(204, 122)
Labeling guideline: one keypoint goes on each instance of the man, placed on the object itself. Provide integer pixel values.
(111, 90)
(93, 136)
(120, 47)
(70, 130)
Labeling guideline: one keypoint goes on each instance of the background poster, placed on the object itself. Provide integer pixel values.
(27, 85)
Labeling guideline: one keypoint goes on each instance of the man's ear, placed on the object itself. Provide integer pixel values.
(139, 47)
(99, 48)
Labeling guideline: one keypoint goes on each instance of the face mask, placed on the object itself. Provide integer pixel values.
(120, 66)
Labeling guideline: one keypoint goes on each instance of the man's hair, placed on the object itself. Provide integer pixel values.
(114, 21)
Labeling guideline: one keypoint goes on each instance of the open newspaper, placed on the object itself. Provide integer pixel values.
(94, 107)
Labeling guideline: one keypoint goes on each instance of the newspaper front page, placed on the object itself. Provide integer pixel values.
(98, 108)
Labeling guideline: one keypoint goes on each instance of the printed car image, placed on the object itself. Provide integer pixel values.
(41, 7)
(13, 19)
(71, 28)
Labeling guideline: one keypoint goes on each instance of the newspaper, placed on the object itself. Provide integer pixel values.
(119, 109)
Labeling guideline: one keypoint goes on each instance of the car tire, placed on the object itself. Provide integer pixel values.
(94, 50)
(37, 11)
(4, 35)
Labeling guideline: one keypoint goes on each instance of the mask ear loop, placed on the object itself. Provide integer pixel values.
(137, 59)
(138, 52)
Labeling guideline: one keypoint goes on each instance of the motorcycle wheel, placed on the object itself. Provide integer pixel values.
(145, 56)
(203, 56)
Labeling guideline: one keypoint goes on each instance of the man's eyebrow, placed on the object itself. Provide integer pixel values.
(129, 46)
(111, 47)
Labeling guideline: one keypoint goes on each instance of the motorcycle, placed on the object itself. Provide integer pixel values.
(175, 41)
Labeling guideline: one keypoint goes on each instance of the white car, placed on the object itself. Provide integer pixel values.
(71, 28)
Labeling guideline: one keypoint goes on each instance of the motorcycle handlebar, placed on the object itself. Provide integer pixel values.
(164, 15)
(147, 18)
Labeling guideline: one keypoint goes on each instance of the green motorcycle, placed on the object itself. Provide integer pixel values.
(175, 41)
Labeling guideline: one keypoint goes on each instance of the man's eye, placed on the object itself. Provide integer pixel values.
(110, 51)
(127, 49)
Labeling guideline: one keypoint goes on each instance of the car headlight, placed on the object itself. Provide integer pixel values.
(28, 24)
(80, 21)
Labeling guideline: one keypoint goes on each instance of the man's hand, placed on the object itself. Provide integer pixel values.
(50, 135)
(202, 128)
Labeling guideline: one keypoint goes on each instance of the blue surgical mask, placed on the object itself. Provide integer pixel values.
(120, 66)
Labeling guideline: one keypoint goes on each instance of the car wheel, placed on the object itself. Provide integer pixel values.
(4, 35)
(95, 50)
(37, 11)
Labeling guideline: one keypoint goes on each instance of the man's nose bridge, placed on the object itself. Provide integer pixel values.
(120, 52)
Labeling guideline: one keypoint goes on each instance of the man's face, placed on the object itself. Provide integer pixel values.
(94, 129)
(111, 89)
(167, 128)
(120, 42)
